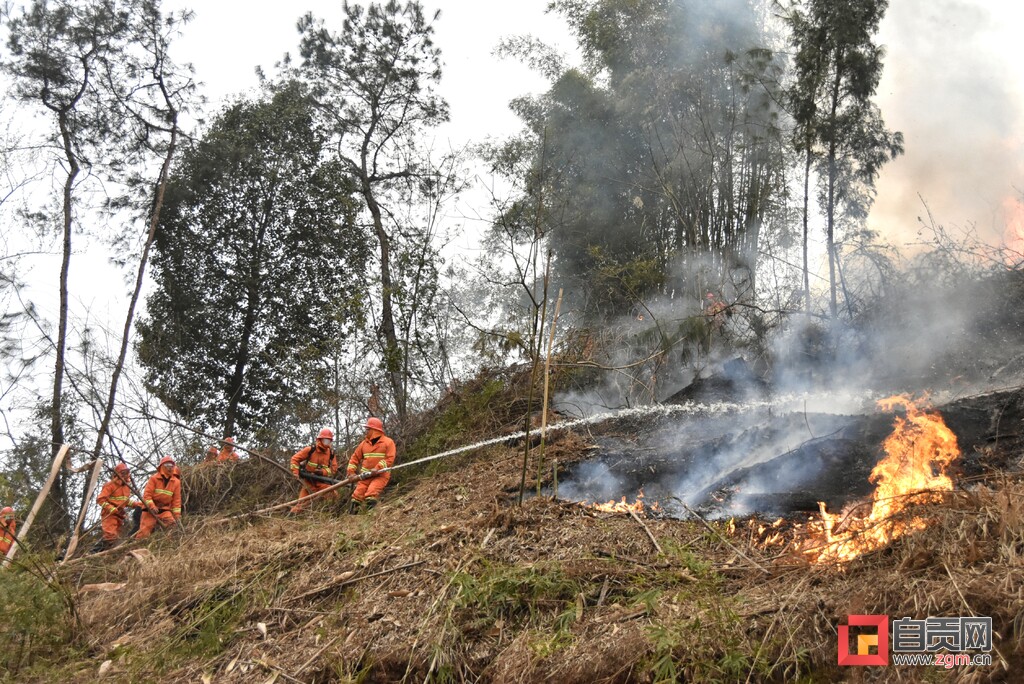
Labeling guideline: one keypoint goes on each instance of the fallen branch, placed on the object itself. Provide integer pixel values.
(720, 536)
(286, 504)
(646, 529)
(276, 670)
(312, 659)
(127, 544)
(353, 580)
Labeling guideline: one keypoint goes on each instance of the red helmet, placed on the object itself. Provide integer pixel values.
(164, 461)
(122, 470)
(229, 440)
(374, 424)
(326, 433)
(7, 513)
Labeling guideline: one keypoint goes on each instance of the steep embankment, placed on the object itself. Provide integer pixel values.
(450, 580)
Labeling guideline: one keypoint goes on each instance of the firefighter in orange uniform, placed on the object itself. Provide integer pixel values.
(211, 454)
(161, 500)
(114, 500)
(375, 452)
(8, 526)
(227, 452)
(318, 459)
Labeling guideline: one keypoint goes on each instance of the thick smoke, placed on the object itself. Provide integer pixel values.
(594, 482)
(954, 85)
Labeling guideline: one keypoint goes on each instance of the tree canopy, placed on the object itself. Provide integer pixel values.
(258, 270)
(663, 156)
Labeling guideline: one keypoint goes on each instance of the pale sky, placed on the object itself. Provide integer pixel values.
(228, 39)
(953, 84)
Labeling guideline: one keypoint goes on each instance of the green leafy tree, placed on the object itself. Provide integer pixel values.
(662, 157)
(257, 266)
(837, 66)
(375, 82)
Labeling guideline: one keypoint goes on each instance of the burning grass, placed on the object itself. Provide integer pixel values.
(918, 453)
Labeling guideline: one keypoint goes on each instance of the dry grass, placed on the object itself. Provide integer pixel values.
(487, 591)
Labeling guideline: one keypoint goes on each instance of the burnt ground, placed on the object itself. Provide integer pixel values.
(758, 458)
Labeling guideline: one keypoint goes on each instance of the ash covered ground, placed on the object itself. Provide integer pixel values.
(776, 441)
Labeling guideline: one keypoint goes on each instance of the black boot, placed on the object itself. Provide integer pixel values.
(353, 506)
(370, 503)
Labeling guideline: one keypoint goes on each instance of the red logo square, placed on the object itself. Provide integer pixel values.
(881, 622)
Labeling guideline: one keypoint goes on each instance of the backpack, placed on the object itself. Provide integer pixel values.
(312, 448)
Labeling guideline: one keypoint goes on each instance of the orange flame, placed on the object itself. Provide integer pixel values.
(918, 452)
(620, 506)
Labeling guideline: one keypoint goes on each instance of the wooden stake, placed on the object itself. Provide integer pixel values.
(23, 532)
(73, 544)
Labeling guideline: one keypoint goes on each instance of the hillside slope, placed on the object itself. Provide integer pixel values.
(450, 580)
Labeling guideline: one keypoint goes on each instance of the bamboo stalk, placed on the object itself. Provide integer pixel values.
(73, 544)
(23, 532)
(544, 405)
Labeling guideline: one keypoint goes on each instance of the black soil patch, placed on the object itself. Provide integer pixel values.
(740, 462)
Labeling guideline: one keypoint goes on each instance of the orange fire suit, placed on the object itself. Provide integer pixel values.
(319, 460)
(162, 496)
(369, 456)
(228, 453)
(7, 530)
(113, 501)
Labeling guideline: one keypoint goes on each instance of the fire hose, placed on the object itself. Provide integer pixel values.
(313, 477)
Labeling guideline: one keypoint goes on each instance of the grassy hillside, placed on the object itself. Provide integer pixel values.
(449, 580)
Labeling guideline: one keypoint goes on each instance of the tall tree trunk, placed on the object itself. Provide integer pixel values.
(235, 385)
(830, 207)
(807, 197)
(392, 348)
(154, 219)
(60, 344)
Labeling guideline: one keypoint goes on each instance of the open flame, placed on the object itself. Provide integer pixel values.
(918, 452)
(619, 506)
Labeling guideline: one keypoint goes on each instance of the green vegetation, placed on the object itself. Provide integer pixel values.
(211, 625)
(514, 594)
(36, 617)
(462, 415)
